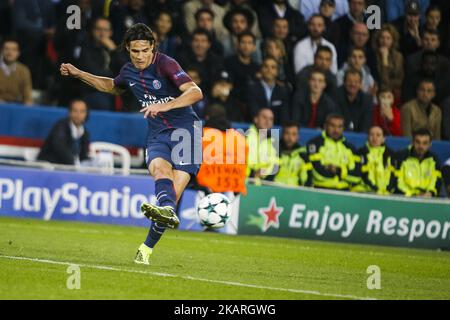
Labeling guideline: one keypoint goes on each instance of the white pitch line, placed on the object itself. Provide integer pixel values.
(159, 274)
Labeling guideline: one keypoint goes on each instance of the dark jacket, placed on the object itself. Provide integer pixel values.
(59, 147)
(279, 102)
(301, 108)
(358, 115)
(446, 119)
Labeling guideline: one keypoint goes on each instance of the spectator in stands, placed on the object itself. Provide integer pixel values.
(267, 93)
(95, 58)
(418, 169)
(153, 7)
(446, 177)
(357, 60)
(377, 168)
(246, 4)
(273, 9)
(15, 77)
(262, 154)
(237, 22)
(389, 60)
(446, 119)
(334, 160)
(200, 57)
(386, 114)
(34, 25)
(294, 169)
(126, 14)
(204, 19)
(409, 28)
(223, 93)
(191, 7)
(68, 141)
(275, 48)
(327, 9)
(341, 27)
(355, 105)
(311, 105)
(429, 69)
(280, 31)
(397, 9)
(166, 42)
(433, 21)
(241, 66)
(421, 112)
(322, 61)
(430, 42)
(304, 50)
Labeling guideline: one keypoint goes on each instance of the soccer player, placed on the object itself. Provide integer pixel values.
(166, 94)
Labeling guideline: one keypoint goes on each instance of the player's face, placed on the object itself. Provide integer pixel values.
(335, 128)
(10, 52)
(376, 137)
(78, 113)
(290, 136)
(141, 53)
(421, 144)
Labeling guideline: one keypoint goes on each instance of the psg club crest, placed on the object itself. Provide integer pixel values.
(156, 84)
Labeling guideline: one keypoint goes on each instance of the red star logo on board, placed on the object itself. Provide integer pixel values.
(271, 215)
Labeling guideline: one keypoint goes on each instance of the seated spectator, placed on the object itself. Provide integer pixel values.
(241, 67)
(68, 141)
(428, 69)
(280, 31)
(377, 169)
(275, 48)
(433, 21)
(124, 15)
(165, 41)
(421, 112)
(388, 59)
(294, 168)
(199, 56)
(267, 93)
(355, 105)
(223, 93)
(191, 7)
(204, 19)
(239, 21)
(430, 42)
(327, 9)
(95, 58)
(446, 177)
(304, 50)
(200, 106)
(338, 8)
(357, 61)
(246, 4)
(334, 160)
(272, 9)
(418, 169)
(409, 28)
(262, 156)
(15, 77)
(322, 61)
(311, 106)
(446, 119)
(386, 114)
(340, 29)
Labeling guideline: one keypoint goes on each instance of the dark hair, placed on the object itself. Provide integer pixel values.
(422, 132)
(354, 48)
(10, 39)
(316, 15)
(316, 70)
(433, 8)
(332, 116)
(137, 32)
(433, 32)
(324, 49)
(73, 101)
(246, 33)
(385, 88)
(352, 71)
(289, 124)
(426, 80)
(203, 10)
(201, 31)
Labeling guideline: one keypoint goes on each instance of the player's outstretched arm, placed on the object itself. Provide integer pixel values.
(102, 84)
(191, 94)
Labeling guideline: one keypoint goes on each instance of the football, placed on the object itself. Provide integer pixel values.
(214, 210)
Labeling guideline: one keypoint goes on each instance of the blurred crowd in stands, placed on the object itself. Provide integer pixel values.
(304, 63)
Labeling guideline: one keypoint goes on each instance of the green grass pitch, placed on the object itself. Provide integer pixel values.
(35, 255)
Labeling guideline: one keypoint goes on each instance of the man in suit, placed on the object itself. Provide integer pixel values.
(68, 141)
(267, 93)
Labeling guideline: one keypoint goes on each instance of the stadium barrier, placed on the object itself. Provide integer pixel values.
(305, 213)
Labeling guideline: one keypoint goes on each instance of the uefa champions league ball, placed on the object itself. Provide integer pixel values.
(214, 210)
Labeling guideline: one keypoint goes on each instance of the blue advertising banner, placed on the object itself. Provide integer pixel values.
(55, 195)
